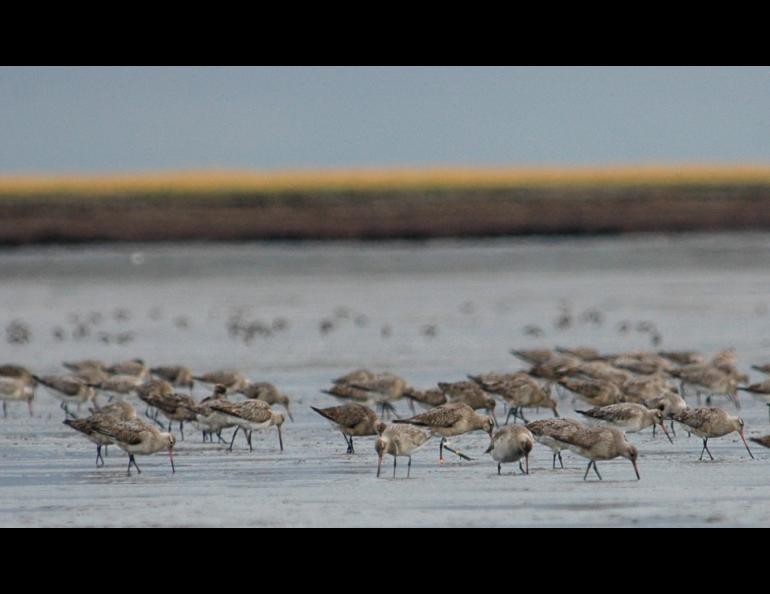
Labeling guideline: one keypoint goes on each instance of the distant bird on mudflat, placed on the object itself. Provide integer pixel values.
(760, 391)
(233, 380)
(471, 394)
(134, 367)
(267, 392)
(428, 399)
(518, 390)
(69, 389)
(584, 353)
(15, 390)
(87, 364)
(594, 392)
(177, 375)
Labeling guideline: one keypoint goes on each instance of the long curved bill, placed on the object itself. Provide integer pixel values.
(747, 445)
(636, 470)
(662, 426)
(171, 457)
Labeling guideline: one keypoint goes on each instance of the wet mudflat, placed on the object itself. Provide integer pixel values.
(429, 312)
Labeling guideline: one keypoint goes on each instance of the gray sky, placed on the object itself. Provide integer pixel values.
(122, 119)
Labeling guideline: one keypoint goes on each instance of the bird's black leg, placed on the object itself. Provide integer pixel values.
(181, 429)
(554, 460)
(395, 459)
(596, 470)
(248, 439)
(230, 449)
(5, 409)
(560, 460)
(511, 411)
(99, 456)
(521, 467)
(409, 467)
(131, 461)
(706, 449)
(441, 450)
(590, 463)
(499, 468)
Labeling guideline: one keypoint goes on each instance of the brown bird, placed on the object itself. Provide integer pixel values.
(519, 390)
(233, 380)
(554, 433)
(88, 426)
(249, 416)
(398, 440)
(583, 352)
(600, 443)
(134, 367)
(88, 364)
(352, 420)
(763, 441)
(471, 394)
(595, 392)
(69, 389)
(15, 389)
(684, 357)
(708, 380)
(511, 444)
(178, 376)
(449, 420)
(136, 436)
(708, 422)
(760, 391)
(535, 356)
(267, 392)
(426, 398)
(627, 416)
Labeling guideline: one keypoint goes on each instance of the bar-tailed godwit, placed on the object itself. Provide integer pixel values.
(553, 433)
(352, 420)
(398, 440)
(449, 420)
(707, 422)
(601, 443)
(627, 416)
(511, 444)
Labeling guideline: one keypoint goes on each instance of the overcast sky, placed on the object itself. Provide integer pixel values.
(123, 119)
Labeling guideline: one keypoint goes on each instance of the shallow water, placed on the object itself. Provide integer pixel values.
(701, 291)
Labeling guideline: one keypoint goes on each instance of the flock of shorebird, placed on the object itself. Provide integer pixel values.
(627, 393)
